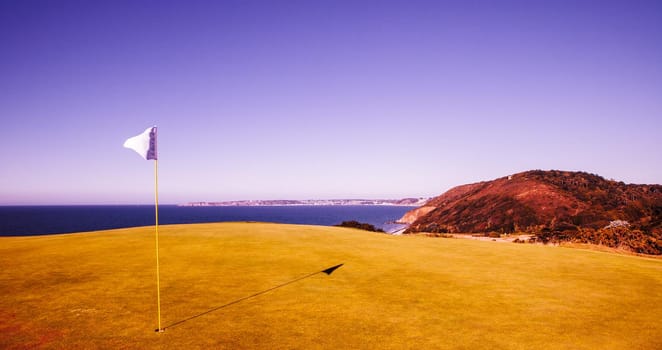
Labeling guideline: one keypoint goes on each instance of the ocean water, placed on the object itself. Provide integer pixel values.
(41, 220)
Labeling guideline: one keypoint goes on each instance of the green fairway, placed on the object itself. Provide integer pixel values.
(98, 290)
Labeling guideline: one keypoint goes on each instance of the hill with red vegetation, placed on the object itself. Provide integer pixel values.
(554, 205)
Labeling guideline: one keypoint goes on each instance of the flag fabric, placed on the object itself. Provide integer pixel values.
(144, 144)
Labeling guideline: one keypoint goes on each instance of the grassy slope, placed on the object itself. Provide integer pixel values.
(98, 290)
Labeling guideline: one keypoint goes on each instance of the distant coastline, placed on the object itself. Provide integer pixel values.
(408, 202)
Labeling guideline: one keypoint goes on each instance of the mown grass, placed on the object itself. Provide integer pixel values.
(97, 290)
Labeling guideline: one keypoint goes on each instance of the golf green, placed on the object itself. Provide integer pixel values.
(254, 285)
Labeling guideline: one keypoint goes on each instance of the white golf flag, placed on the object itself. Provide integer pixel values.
(144, 144)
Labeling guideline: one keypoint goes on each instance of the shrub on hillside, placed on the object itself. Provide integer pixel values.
(435, 228)
(622, 237)
(359, 225)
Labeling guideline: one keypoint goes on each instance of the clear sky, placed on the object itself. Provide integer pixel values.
(322, 99)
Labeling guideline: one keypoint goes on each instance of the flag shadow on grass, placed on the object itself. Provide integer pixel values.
(327, 271)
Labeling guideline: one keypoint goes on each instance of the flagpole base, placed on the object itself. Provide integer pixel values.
(159, 330)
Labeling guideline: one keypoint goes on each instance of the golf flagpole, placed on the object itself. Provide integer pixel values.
(156, 234)
(145, 145)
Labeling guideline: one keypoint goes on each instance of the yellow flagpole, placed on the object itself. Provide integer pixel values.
(156, 231)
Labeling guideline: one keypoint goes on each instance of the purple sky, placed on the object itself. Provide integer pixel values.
(322, 99)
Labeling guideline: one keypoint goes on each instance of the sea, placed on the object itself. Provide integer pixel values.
(45, 220)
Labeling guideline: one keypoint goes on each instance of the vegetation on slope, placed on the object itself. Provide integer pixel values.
(554, 205)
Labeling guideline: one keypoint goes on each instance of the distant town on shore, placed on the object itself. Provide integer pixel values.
(413, 202)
